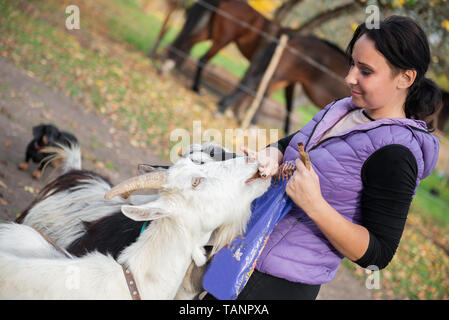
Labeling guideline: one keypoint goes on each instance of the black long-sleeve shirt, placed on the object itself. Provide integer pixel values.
(389, 179)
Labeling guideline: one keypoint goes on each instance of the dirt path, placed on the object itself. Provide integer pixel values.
(26, 102)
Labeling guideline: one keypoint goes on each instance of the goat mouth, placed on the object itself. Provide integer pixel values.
(254, 177)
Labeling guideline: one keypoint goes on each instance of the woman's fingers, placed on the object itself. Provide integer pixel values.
(299, 165)
(251, 154)
(267, 167)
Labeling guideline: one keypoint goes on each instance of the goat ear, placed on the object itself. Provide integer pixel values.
(144, 212)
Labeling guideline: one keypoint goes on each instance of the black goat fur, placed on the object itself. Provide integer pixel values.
(108, 235)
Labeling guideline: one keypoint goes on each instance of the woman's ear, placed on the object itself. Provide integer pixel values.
(406, 78)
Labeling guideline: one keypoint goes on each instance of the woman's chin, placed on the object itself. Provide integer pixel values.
(357, 100)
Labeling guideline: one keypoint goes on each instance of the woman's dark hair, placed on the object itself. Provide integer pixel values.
(404, 44)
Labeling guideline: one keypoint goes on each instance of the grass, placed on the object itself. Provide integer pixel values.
(436, 181)
(431, 207)
(109, 74)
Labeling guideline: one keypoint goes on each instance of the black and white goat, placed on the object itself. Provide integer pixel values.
(73, 212)
(194, 200)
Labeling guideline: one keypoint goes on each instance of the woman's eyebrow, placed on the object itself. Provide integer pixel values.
(365, 65)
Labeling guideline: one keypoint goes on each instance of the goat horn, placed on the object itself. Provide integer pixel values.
(152, 180)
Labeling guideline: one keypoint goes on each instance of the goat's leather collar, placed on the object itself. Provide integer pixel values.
(49, 240)
(128, 274)
(131, 282)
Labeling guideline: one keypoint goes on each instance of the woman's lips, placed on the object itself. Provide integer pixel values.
(356, 93)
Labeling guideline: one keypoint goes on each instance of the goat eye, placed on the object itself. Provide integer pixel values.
(196, 181)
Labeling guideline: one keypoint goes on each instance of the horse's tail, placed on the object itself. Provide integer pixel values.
(198, 17)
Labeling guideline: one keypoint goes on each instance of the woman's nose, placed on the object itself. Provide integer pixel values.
(350, 78)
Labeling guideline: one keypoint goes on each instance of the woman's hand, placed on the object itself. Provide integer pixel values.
(268, 159)
(304, 188)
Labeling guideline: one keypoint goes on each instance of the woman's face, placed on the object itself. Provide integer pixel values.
(373, 85)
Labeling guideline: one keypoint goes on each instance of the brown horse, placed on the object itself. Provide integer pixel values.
(317, 64)
(223, 22)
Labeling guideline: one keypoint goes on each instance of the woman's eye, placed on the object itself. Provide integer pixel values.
(365, 73)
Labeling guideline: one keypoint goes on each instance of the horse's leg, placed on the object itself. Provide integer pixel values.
(216, 47)
(249, 83)
(230, 99)
(289, 93)
(199, 69)
(172, 6)
(245, 87)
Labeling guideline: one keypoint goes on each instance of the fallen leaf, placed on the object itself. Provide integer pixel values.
(99, 164)
(3, 202)
(29, 189)
(134, 143)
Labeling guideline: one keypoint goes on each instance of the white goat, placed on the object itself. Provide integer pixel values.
(67, 203)
(194, 201)
(23, 241)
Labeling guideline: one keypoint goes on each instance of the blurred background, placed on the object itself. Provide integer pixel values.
(111, 68)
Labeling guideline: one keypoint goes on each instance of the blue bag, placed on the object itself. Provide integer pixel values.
(232, 266)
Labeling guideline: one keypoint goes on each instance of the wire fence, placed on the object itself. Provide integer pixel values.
(246, 89)
(296, 52)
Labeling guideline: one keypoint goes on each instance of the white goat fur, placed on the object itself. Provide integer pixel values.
(24, 241)
(61, 216)
(186, 217)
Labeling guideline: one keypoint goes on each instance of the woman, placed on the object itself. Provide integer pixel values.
(368, 153)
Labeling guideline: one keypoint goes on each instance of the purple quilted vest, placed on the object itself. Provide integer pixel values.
(297, 250)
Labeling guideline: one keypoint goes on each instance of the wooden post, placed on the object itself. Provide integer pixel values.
(265, 80)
